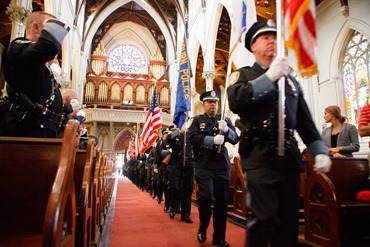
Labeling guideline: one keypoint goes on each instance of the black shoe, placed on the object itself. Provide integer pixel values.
(153, 196)
(187, 220)
(172, 214)
(159, 201)
(166, 208)
(178, 211)
(221, 243)
(202, 237)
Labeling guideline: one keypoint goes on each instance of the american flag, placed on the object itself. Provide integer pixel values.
(132, 147)
(152, 123)
(300, 34)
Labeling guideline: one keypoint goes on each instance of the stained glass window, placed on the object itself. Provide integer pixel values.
(126, 59)
(355, 69)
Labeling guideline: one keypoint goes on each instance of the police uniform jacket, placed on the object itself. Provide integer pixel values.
(201, 133)
(255, 99)
(25, 66)
(161, 150)
(176, 164)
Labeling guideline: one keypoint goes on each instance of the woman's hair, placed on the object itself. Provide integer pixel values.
(336, 112)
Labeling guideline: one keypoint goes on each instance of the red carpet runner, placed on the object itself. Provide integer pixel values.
(140, 221)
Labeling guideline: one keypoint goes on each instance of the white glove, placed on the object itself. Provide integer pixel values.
(322, 163)
(218, 139)
(155, 170)
(81, 113)
(75, 104)
(278, 69)
(222, 125)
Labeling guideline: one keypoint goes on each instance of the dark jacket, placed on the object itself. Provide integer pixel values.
(201, 133)
(255, 99)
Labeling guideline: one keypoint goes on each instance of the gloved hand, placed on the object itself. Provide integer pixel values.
(322, 163)
(222, 125)
(155, 170)
(81, 113)
(218, 139)
(278, 69)
(75, 104)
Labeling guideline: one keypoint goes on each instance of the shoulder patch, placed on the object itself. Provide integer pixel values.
(190, 122)
(234, 77)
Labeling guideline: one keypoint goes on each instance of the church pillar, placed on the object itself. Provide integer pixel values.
(209, 75)
(18, 10)
(111, 138)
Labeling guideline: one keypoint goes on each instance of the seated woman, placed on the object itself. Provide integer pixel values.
(341, 138)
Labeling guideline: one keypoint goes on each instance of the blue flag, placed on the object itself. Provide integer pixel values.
(183, 88)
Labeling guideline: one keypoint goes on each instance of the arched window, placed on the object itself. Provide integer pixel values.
(126, 59)
(355, 69)
(127, 94)
(115, 93)
(140, 95)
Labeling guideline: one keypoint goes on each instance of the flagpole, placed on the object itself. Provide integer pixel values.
(280, 53)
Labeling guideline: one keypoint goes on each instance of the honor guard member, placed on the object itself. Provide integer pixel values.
(272, 182)
(31, 86)
(212, 168)
(162, 183)
(181, 174)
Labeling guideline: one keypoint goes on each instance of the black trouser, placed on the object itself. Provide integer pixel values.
(273, 198)
(162, 185)
(213, 187)
(181, 189)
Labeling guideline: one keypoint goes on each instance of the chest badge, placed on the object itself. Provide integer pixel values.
(202, 126)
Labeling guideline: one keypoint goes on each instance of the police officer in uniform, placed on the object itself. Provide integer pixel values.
(272, 181)
(162, 183)
(212, 168)
(181, 179)
(32, 87)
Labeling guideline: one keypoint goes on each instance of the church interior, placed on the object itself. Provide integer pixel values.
(119, 52)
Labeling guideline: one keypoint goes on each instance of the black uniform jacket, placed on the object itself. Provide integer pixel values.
(255, 99)
(25, 67)
(177, 164)
(201, 133)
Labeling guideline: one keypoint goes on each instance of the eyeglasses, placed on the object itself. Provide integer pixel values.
(212, 101)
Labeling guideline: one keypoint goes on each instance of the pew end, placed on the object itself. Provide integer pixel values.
(37, 191)
(333, 216)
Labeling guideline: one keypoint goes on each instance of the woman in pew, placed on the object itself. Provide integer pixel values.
(341, 138)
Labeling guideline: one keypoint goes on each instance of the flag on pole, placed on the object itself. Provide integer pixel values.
(183, 88)
(152, 123)
(300, 34)
(244, 15)
(132, 147)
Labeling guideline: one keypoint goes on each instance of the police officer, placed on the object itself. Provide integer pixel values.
(212, 169)
(272, 182)
(30, 81)
(180, 170)
(162, 182)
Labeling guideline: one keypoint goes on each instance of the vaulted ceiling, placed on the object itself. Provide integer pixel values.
(167, 10)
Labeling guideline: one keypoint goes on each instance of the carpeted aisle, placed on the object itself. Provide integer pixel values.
(140, 221)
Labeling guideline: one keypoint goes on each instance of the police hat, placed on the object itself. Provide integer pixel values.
(209, 95)
(258, 28)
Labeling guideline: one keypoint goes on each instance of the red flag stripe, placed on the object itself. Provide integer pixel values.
(300, 33)
(152, 124)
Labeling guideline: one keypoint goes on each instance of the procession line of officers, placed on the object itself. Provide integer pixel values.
(272, 180)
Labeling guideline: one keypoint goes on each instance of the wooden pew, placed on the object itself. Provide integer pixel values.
(83, 178)
(240, 208)
(37, 194)
(96, 197)
(332, 215)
